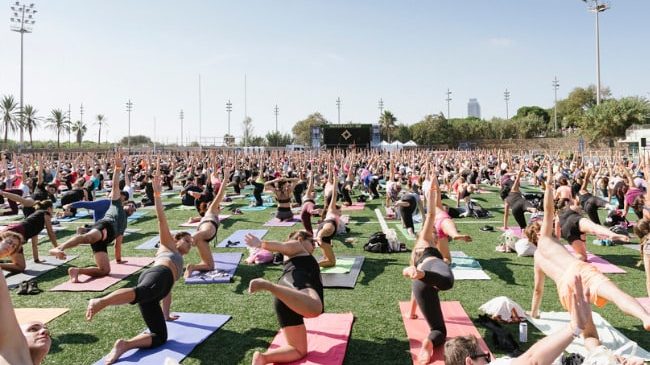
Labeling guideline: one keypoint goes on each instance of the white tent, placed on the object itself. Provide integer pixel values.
(410, 143)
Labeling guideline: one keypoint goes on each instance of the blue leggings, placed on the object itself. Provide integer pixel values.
(99, 207)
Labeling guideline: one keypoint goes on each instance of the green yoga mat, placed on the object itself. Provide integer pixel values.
(467, 263)
(418, 228)
(343, 266)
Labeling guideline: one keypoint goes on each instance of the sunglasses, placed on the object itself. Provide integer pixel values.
(484, 356)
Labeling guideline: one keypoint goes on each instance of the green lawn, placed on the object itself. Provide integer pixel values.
(378, 334)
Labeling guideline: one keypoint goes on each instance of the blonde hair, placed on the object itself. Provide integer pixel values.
(12, 234)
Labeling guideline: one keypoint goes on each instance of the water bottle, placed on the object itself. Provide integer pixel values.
(523, 332)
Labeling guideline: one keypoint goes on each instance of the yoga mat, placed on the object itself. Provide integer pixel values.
(225, 265)
(135, 216)
(169, 193)
(634, 247)
(45, 315)
(238, 196)
(343, 266)
(118, 272)
(457, 322)
(129, 231)
(185, 207)
(348, 280)
(183, 335)
(600, 263)
(517, 231)
(239, 237)
(277, 223)
(465, 263)
(417, 227)
(196, 224)
(354, 206)
(80, 214)
(10, 217)
(34, 270)
(152, 243)
(253, 209)
(327, 339)
(466, 273)
(645, 302)
(610, 337)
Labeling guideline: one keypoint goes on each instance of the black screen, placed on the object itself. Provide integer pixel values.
(336, 136)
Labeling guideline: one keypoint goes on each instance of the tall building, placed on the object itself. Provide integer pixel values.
(473, 109)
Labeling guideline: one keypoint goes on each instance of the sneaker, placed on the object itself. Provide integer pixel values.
(32, 288)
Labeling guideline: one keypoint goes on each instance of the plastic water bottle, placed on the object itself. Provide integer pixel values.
(523, 332)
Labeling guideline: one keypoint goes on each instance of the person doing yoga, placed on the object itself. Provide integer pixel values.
(298, 294)
(429, 274)
(283, 189)
(329, 226)
(207, 231)
(16, 235)
(309, 204)
(154, 285)
(588, 201)
(516, 202)
(408, 203)
(553, 260)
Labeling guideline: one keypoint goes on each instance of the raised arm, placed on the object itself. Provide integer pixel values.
(428, 228)
(214, 205)
(549, 208)
(13, 346)
(166, 238)
(115, 189)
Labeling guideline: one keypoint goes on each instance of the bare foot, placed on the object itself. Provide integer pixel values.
(258, 284)
(74, 274)
(94, 306)
(463, 237)
(646, 324)
(81, 230)
(258, 359)
(118, 349)
(619, 237)
(424, 357)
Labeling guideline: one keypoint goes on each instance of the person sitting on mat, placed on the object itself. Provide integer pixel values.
(429, 274)
(102, 233)
(20, 344)
(207, 231)
(328, 227)
(154, 285)
(553, 260)
(283, 189)
(19, 233)
(298, 294)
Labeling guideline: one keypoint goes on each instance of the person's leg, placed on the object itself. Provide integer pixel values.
(437, 273)
(305, 302)
(258, 198)
(591, 208)
(407, 218)
(103, 268)
(305, 216)
(329, 259)
(142, 340)
(449, 227)
(518, 214)
(118, 297)
(580, 248)
(296, 348)
(646, 265)
(589, 227)
(427, 298)
(624, 302)
(92, 236)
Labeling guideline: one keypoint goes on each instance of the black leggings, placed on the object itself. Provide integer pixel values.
(153, 285)
(407, 212)
(591, 207)
(300, 272)
(346, 195)
(437, 276)
(373, 188)
(257, 193)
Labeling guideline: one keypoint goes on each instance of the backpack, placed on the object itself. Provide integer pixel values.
(377, 243)
(477, 211)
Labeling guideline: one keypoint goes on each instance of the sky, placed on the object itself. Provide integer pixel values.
(301, 55)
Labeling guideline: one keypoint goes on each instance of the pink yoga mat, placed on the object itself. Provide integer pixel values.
(277, 223)
(118, 272)
(327, 339)
(196, 224)
(456, 320)
(600, 263)
(517, 231)
(645, 302)
(354, 206)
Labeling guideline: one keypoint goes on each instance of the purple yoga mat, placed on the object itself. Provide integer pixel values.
(184, 334)
(225, 265)
(600, 263)
(277, 223)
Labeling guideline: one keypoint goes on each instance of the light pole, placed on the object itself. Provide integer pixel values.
(381, 107)
(556, 85)
(81, 117)
(228, 109)
(182, 117)
(338, 107)
(276, 111)
(448, 99)
(200, 134)
(597, 7)
(506, 97)
(22, 22)
(69, 124)
(129, 108)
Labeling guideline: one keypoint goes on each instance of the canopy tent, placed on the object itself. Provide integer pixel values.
(410, 143)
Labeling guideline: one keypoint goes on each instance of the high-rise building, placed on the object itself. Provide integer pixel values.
(473, 109)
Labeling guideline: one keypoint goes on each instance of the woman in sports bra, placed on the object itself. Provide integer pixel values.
(309, 204)
(154, 285)
(328, 227)
(429, 274)
(207, 231)
(283, 189)
(516, 202)
(298, 294)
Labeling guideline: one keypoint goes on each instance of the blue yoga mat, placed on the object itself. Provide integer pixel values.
(79, 215)
(150, 244)
(184, 334)
(135, 216)
(225, 265)
(253, 209)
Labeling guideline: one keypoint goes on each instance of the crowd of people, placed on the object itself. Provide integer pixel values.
(318, 184)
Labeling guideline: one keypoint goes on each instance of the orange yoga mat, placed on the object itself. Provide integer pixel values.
(456, 320)
(45, 315)
(327, 339)
(118, 272)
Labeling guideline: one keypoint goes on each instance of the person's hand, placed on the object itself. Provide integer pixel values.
(581, 311)
(118, 161)
(58, 253)
(252, 241)
(172, 317)
(156, 184)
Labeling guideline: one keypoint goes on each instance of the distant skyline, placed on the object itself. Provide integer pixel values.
(303, 55)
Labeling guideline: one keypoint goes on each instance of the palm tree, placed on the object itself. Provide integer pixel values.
(30, 121)
(101, 121)
(387, 124)
(9, 115)
(80, 129)
(58, 122)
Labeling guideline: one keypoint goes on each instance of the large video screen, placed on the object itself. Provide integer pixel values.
(343, 136)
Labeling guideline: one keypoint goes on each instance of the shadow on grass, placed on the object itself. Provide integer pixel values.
(376, 352)
(373, 267)
(230, 347)
(70, 339)
(247, 273)
(501, 268)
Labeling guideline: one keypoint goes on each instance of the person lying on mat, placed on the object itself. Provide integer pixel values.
(429, 274)
(298, 294)
(207, 231)
(102, 233)
(553, 260)
(464, 350)
(328, 227)
(154, 285)
(20, 344)
(15, 235)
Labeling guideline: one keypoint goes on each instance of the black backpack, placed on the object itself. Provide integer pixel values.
(377, 243)
(478, 211)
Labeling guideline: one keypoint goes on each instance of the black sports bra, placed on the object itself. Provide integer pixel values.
(429, 252)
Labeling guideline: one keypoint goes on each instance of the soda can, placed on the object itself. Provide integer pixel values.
(523, 332)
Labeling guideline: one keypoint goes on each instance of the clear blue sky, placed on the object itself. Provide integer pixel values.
(302, 55)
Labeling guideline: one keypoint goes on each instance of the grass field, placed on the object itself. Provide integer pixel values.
(378, 335)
